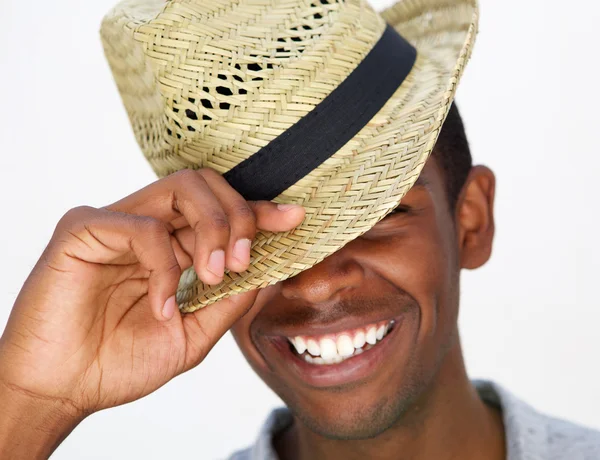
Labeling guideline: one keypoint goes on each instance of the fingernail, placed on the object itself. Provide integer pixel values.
(216, 263)
(168, 309)
(287, 207)
(241, 251)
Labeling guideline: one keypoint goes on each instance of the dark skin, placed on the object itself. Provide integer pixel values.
(405, 268)
(96, 325)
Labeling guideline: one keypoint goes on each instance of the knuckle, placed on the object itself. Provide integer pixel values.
(220, 223)
(151, 227)
(75, 217)
(77, 212)
(244, 221)
(186, 175)
(208, 172)
(217, 222)
(171, 265)
(243, 212)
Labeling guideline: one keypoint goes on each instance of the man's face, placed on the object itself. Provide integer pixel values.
(403, 275)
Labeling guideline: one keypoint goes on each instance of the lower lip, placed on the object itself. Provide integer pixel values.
(350, 370)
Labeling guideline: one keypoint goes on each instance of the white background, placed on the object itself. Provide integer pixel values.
(529, 318)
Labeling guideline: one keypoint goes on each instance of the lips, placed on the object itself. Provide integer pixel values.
(326, 366)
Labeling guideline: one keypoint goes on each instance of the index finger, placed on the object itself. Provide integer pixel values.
(158, 199)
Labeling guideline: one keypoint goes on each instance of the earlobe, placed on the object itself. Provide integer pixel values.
(475, 218)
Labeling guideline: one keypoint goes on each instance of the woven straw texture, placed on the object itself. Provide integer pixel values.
(207, 83)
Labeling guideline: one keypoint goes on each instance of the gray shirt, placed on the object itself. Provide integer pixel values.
(530, 435)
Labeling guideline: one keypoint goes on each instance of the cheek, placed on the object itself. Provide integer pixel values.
(415, 261)
(242, 331)
(418, 260)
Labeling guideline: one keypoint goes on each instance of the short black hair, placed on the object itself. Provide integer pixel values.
(453, 155)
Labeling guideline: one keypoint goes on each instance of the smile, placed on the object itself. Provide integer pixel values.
(341, 356)
(335, 348)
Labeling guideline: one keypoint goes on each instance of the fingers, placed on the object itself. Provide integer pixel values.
(241, 218)
(222, 224)
(276, 217)
(100, 236)
(187, 193)
(204, 327)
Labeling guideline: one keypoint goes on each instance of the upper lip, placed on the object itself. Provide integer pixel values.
(343, 324)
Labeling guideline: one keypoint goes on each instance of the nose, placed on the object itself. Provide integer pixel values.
(331, 277)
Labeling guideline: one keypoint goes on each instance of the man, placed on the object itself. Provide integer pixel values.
(362, 346)
(409, 395)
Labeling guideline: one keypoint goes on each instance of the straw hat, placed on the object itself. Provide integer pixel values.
(323, 103)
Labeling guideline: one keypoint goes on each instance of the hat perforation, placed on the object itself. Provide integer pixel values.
(294, 41)
(223, 90)
(191, 114)
(172, 80)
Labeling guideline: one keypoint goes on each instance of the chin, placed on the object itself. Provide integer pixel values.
(361, 411)
(348, 416)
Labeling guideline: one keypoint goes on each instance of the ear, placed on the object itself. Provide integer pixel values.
(475, 218)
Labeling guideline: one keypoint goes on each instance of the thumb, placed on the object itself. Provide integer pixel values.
(204, 327)
(277, 217)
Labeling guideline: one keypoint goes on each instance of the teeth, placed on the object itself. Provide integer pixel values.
(371, 335)
(313, 347)
(299, 345)
(322, 361)
(335, 360)
(345, 347)
(359, 340)
(328, 349)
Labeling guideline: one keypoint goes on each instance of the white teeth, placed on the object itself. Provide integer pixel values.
(328, 349)
(371, 335)
(345, 347)
(299, 345)
(313, 347)
(321, 361)
(359, 340)
(335, 360)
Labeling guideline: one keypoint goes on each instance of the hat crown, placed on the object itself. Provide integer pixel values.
(326, 112)
(199, 77)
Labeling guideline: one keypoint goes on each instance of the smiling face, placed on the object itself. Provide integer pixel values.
(378, 316)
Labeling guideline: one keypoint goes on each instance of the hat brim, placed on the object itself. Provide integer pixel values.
(366, 179)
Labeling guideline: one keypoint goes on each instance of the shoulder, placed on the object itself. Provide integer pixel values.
(244, 454)
(570, 440)
(262, 449)
(533, 434)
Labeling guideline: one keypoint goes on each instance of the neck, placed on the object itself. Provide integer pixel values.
(450, 413)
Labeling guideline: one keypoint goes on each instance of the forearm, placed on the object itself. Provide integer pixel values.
(32, 427)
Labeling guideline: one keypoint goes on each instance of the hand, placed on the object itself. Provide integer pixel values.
(96, 325)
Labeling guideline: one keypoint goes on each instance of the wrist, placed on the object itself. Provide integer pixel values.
(32, 426)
